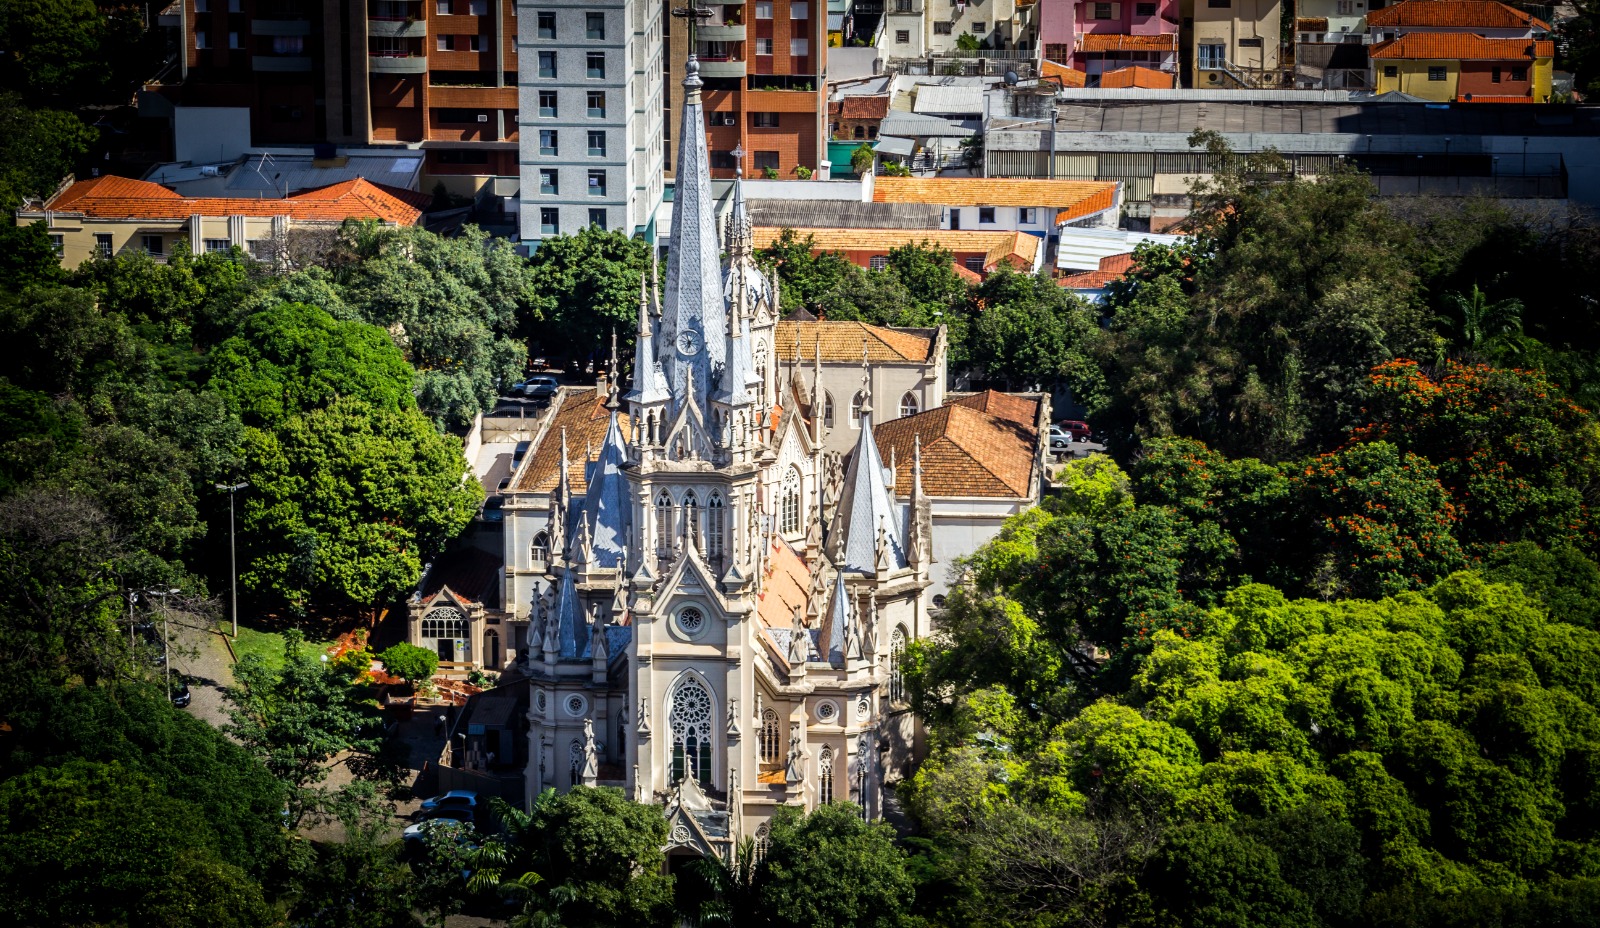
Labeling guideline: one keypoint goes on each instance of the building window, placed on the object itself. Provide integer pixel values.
(723, 119)
(200, 41)
(763, 841)
(897, 653)
(1102, 11)
(986, 215)
(1210, 57)
(799, 47)
(102, 245)
(977, 29)
(153, 246)
(878, 262)
(1494, 74)
(764, 9)
(547, 64)
(1346, 7)
(765, 159)
(202, 6)
(764, 120)
(1144, 9)
(789, 522)
(594, 25)
(860, 132)
(714, 525)
(856, 403)
(825, 776)
(663, 523)
(547, 25)
(541, 548)
(547, 103)
(575, 763)
(1390, 70)
(597, 65)
(549, 220)
(597, 104)
(233, 40)
(289, 45)
(478, 7)
(441, 8)
(761, 375)
(597, 143)
(1436, 73)
(212, 245)
(827, 410)
(689, 721)
(763, 46)
(1219, 4)
(909, 405)
(549, 182)
(597, 183)
(549, 142)
(771, 738)
(942, 28)
(902, 36)
(444, 622)
(474, 43)
(445, 43)
(1250, 43)
(799, 10)
(1025, 214)
(975, 265)
(1519, 74)
(58, 243)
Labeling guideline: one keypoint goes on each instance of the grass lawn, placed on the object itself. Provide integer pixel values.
(269, 645)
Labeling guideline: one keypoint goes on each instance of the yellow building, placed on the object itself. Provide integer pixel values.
(115, 215)
(1236, 43)
(1460, 67)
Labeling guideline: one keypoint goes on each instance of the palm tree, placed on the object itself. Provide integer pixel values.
(1481, 329)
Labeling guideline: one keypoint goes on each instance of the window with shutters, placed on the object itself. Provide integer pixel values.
(790, 516)
(715, 525)
(771, 737)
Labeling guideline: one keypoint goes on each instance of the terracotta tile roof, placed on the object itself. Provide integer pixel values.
(965, 452)
(1459, 46)
(1471, 14)
(785, 585)
(1084, 195)
(1103, 200)
(971, 277)
(1135, 76)
(584, 415)
(1112, 267)
(1070, 77)
(1020, 247)
(1119, 264)
(1022, 409)
(1106, 42)
(842, 341)
(124, 198)
(1484, 98)
(864, 107)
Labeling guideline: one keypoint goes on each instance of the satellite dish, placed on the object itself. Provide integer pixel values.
(1011, 78)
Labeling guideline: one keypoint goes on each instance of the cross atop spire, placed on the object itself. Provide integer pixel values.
(694, 13)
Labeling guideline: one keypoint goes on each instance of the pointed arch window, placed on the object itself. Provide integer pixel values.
(689, 720)
(827, 410)
(790, 501)
(541, 547)
(715, 512)
(897, 652)
(856, 403)
(761, 375)
(771, 738)
(825, 776)
(575, 757)
(909, 405)
(691, 520)
(763, 841)
(663, 522)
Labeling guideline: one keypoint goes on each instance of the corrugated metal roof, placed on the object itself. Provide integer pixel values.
(913, 125)
(939, 100)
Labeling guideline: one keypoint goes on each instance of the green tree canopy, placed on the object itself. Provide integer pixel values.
(831, 868)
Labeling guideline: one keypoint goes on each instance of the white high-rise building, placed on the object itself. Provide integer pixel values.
(589, 87)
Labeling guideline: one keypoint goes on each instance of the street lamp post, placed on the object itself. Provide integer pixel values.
(166, 635)
(233, 563)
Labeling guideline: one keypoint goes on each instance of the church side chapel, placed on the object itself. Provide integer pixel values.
(725, 602)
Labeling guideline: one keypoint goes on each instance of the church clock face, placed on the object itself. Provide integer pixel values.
(688, 343)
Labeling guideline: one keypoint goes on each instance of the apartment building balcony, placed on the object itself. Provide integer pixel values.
(732, 32)
(903, 7)
(277, 27)
(722, 68)
(396, 63)
(281, 64)
(397, 28)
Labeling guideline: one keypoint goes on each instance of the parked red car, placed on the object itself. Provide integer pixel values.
(1080, 430)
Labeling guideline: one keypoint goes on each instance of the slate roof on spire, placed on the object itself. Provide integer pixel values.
(572, 628)
(865, 504)
(838, 618)
(607, 500)
(649, 384)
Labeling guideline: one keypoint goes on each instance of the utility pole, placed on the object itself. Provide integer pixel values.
(233, 563)
(166, 636)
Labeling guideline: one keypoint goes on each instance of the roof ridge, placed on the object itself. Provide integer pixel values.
(991, 420)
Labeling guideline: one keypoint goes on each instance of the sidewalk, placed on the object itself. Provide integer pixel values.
(202, 656)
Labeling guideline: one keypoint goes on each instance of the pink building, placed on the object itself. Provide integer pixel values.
(1099, 37)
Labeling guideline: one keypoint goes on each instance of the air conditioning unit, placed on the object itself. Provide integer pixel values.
(483, 117)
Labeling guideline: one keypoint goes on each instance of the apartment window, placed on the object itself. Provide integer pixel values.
(288, 45)
(597, 218)
(102, 245)
(58, 243)
(463, 156)
(233, 40)
(799, 10)
(478, 7)
(763, 46)
(549, 142)
(986, 215)
(1346, 7)
(234, 6)
(1025, 214)
(713, 51)
(1494, 74)
(764, 9)
(597, 64)
(547, 25)
(1250, 43)
(1144, 9)
(975, 265)
(1390, 70)
(597, 143)
(724, 119)
(902, 36)
(259, 248)
(594, 27)
(722, 160)
(764, 120)
(941, 28)
(442, 8)
(765, 159)
(977, 29)
(1436, 73)
(1219, 4)
(597, 183)
(547, 64)
(446, 43)
(200, 41)
(1210, 57)
(1102, 11)
(202, 6)
(597, 104)
(212, 245)
(878, 262)
(549, 182)
(1519, 74)
(549, 220)
(799, 47)
(474, 43)
(547, 103)
(458, 117)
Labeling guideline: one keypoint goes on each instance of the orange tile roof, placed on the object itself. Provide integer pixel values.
(1135, 76)
(785, 585)
(1107, 42)
(1023, 409)
(1112, 267)
(1103, 200)
(1120, 264)
(841, 342)
(124, 198)
(1021, 247)
(1458, 46)
(864, 107)
(1070, 77)
(583, 414)
(965, 452)
(971, 277)
(1479, 14)
(1485, 98)
(1084, 195)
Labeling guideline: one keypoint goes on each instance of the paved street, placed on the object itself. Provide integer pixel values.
(201, 654)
